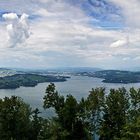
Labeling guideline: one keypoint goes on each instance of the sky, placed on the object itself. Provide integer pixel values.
(70, 33)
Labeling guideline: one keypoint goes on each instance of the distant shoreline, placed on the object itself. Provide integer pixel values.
(114, 76)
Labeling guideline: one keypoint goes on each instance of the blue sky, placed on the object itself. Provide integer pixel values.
(61, 33)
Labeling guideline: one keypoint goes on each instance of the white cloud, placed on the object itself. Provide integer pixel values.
(10, 16)
(119, 43)
(130, 12)
(17, 28)
(64, 35)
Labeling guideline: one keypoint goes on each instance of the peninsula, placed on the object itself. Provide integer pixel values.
(27, 80)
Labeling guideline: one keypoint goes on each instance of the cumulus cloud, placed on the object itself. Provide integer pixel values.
(17, 28)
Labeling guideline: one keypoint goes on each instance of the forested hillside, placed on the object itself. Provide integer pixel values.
(27, 80)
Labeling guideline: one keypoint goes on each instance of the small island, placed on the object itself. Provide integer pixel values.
(27, 80)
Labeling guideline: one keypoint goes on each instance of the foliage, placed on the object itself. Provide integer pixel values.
(95, 103)
(69, 114)
(113, 116)
(14, 118)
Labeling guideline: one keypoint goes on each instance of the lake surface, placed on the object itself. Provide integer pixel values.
(79, 86)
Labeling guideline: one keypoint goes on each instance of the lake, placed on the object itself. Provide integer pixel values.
(79, 86)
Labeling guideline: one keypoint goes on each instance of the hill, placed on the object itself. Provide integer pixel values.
(117, 76)
(27, 80)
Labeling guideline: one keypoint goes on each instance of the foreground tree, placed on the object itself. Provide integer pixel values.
(14, 119)
(18, 121)
(131, 129)
(114, 114)
(69, 115)
(35, 125)
(95, 105)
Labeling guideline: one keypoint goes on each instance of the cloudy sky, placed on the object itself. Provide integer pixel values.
(61, 33)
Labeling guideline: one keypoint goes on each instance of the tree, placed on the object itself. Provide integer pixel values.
(36, 125)
(69, 117)
(95, 104)
(14, 119)
(53, 99)
(114, 115)
(134, 100)
(131, 129)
